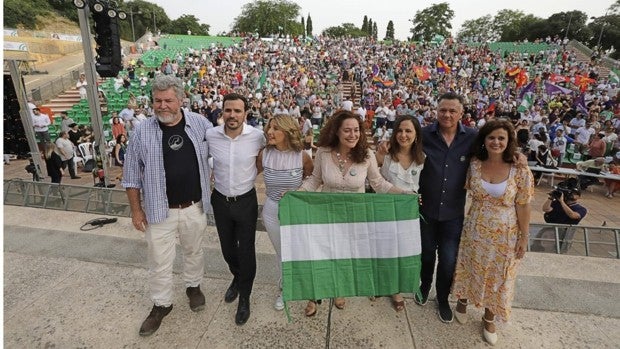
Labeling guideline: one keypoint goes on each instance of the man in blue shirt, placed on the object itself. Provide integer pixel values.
(166, 161)
(447, 145)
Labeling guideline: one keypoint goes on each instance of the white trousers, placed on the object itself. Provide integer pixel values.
(272, 224)
(190, 225)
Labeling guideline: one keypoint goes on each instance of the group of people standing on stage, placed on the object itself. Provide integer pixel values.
(168, 181)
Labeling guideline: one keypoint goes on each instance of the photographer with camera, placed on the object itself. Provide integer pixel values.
(561, 207)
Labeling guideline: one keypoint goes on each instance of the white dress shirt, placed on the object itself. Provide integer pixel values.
(234, 160)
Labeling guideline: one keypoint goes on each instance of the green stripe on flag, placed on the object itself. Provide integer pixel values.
(349, 244)
(350, 277)
(346, 208)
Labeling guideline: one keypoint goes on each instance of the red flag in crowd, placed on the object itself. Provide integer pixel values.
(442, 67)
(513, 72)
(521, 78)
(421, 72)
(555, 78)
(583, 82)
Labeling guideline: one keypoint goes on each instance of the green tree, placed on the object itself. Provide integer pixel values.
(146, 15)
(303, 26)
(606, 31)
(478, 30)
(573, 24)
(17, 12)
(309, 26)
(375, 32)
(365, 24)
(389, 32)
(344, 30)
(369, 28)
(267, 17)
(431, 21)
(187, 22)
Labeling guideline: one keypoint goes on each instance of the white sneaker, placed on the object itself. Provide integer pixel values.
(279, 304)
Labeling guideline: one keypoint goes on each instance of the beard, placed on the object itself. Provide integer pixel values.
(167, 119)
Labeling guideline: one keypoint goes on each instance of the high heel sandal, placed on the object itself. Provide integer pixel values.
(339, 302)
(311, 308)
(490, 337)
(398, 305)
(461, 317)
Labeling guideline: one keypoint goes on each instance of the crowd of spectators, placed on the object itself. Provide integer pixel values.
(307, 80)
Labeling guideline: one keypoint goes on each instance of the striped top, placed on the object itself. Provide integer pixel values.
(283, 171)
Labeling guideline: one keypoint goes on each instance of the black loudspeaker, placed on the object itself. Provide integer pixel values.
(15, 141)
(107, 36)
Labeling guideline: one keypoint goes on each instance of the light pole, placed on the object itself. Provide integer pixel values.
(568, 26)
(600, 35)
(154, 23)
(133, 31)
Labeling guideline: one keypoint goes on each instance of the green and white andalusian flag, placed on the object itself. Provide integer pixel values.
(614, 76)
(347, 244)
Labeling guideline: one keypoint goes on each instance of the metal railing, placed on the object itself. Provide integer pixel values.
(577, 240)
(554, 238)
(51, 89)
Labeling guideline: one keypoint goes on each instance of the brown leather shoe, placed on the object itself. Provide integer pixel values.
(152, 322)
(196, 298)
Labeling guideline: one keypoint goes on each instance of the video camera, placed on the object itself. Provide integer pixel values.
(568, 188)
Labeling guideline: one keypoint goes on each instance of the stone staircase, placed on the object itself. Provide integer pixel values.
(582, 56)
(64, 101)
(349, 90)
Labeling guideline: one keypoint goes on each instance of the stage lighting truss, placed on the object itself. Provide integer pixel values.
(110, 7)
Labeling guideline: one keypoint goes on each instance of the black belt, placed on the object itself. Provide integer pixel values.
(183, 204)
(234, 198)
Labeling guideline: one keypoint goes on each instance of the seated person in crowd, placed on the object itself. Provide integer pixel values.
(592, 165)
(613, 185)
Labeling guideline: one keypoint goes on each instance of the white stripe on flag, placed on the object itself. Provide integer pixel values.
(350, 240)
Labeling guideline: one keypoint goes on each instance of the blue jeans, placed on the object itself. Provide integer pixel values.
(440, 240)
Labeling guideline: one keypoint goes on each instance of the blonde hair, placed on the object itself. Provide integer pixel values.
(290, 127)
(49, 149)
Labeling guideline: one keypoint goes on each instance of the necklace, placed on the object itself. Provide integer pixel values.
(341, 162)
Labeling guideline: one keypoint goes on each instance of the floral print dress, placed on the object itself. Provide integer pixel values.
(486, 266)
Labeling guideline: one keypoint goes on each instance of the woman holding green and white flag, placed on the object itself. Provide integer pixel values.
(342, 164)
(402, 160)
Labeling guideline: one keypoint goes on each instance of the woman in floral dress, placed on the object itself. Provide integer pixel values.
(495, 231)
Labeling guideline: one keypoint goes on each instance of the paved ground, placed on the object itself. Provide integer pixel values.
(64, 288)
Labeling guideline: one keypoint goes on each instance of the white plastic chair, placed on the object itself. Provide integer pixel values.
(110, 151)
(86, 151)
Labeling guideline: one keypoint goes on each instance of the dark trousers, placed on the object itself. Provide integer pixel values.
(69, 163)
(440, 240)
(235, 220)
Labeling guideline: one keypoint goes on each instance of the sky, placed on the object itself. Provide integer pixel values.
(220, 14)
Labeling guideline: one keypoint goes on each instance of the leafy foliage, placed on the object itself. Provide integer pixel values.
(479, 30)
(365, 24)
(18, 12)
(431, 21)
(187, 23)
(375, 32)
(268, 17)
(145, 15)
(309, 26)
(389, 32)
(344, 30)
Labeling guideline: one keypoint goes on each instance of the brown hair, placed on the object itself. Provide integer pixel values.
(329, 135)
(416, 151)
(480, 151)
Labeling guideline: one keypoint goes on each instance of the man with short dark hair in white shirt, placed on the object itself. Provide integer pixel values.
(234, 147)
